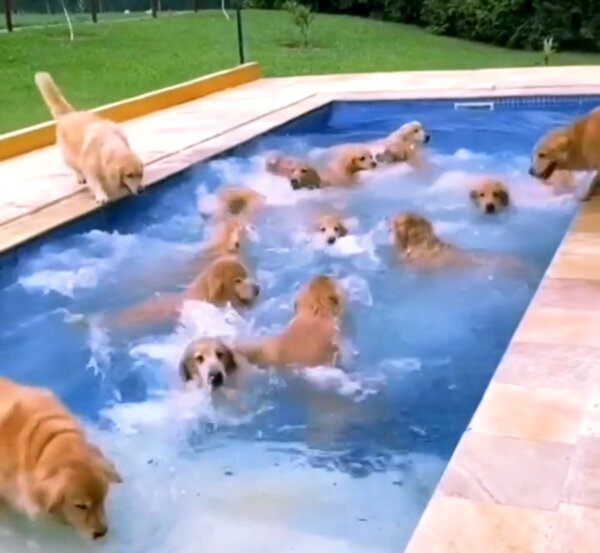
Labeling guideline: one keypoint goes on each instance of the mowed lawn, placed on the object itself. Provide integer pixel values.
(117, 59)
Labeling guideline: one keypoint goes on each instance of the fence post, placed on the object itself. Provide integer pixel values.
(154, 7)
(8, 14)
(94, 8)
(240, 31)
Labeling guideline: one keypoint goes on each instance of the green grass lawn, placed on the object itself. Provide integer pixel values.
(114, 60)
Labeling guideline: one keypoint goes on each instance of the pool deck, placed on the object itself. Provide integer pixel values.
(525, 477)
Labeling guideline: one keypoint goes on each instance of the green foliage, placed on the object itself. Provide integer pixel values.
(302, 17)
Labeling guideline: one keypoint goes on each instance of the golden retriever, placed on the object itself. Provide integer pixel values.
(208, 363)
(228, 239)
(47, 466)
(403, 146)
(331, 227)
(490, 196)
(299, 173)
(225, 280)
(347, 163)
(572, 148)
(96, 149)
(312, 338)
(239, 201)
(419, 246)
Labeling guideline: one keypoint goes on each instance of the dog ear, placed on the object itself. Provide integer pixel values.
(503, 196)
(215, 288)
(51, 490)
(473, 195)
(313, 178)
(343, 231)
(106, 466)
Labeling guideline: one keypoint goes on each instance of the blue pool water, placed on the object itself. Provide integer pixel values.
(317, 461)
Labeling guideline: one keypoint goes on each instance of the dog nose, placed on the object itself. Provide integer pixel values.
(256, 289)
(532, 171)
(215, 379)
(236, 245)
(331, 240)
(100, 533)
(373, 165)
(427, 138)
(295, 184)
(490, 208)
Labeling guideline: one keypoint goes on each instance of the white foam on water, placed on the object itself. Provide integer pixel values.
(357, 289)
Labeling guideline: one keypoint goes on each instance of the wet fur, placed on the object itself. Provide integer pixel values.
(47, 466)
(346, 165)
(300, 174)
(330, 228)
(312, 337)
(96, 149)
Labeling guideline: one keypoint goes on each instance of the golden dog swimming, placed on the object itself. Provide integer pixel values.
(330, 228)
(299, 174)
(208, 363)
(403, 146)
(490, 196)
(225, 280)
(418, 245)
(572, 148)
(47, 466)
(96, 149)
(346, 166)
(239, 201)
(312, 338)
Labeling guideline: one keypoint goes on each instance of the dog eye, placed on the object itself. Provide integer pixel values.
(322, 229)
(129, 175)
(238, 280)
(303, 171)
(416, 131)
(541, 155)
(495, 194)
(219, 355)
(481, 194)
(336, 229)
(81, 506)
(200, 358)
(361, 158)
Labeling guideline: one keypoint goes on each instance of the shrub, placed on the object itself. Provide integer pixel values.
(302, 17)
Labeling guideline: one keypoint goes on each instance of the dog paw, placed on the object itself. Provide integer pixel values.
(101, 199)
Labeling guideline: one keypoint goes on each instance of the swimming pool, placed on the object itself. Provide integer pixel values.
(323, 461)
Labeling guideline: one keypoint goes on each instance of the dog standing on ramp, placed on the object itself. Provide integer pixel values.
(96, 149)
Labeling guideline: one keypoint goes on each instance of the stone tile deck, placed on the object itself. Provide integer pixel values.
(525, 477)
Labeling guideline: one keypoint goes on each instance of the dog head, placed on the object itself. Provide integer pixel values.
(331, 227)
(490, 196)
(358, 159)
(412, 133)
(322, 296)
(209, 362)
(226, 280)
(129, 171)
(550, 154)
(304, 176)
(411, 229)
(240, 200)
(76, 492)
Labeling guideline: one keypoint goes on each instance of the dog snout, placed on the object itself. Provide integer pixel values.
(532, 172)
(427, 138)
(331, 240)
(490, 208)
(216, 378)
(100, 532)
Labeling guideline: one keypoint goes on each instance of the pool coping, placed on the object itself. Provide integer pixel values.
(525, 476)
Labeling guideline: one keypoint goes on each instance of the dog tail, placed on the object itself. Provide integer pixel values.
(56, 102)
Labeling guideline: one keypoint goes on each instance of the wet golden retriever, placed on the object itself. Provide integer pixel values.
(331, 227)
(225, 280)
(346, 165)
(418, 245)
(572, 148)
(208, 363)
(96, 149)
(490, 196)
(239, 201)
(228, 239)
(300, 174)
(47, 466)
(312, 338)
(403, 146)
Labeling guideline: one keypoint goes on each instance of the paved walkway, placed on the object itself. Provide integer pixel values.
(526, 475)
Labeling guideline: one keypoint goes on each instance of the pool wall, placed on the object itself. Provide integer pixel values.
(525, 476)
